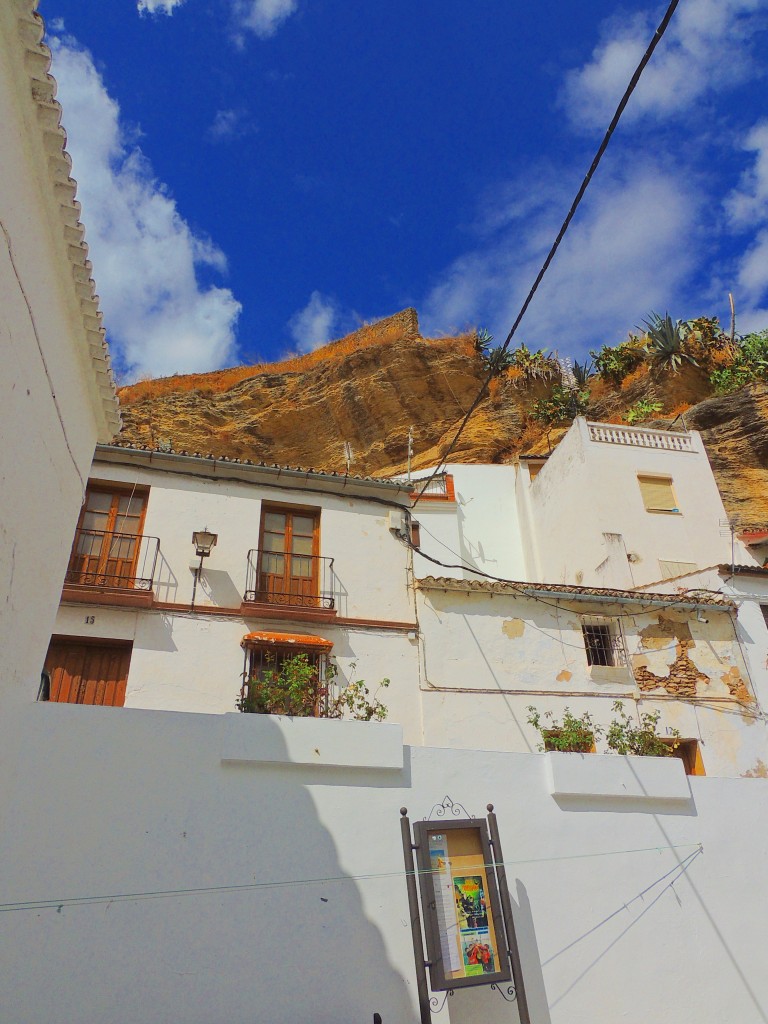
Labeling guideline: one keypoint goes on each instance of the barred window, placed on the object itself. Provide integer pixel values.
(603, 643)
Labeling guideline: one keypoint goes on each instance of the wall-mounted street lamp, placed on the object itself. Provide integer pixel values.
(204, 542)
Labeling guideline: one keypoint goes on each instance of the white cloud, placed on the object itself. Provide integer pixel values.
(621, 258)
(230, 124)
(749, 201)
(160, 318)
(747, 208)
(263, 17)
(158, 6)
(691, 61)
(320, 321)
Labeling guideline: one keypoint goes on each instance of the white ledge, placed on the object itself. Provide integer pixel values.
(612, 777)
(277, 739)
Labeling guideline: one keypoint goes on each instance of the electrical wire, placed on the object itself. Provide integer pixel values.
(564, 227)
(78, 901)
(43, 360)
(524, 588)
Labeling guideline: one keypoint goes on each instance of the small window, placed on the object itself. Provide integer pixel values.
(415, 534)
(689, 753)
(658, 495)
(603, 643)
(286, 679)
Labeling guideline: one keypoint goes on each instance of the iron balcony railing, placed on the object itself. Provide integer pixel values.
(101, 558)
(282, 578)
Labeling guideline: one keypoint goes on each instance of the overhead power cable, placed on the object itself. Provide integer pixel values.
(524, 589)
(561, 233)
(79, 901)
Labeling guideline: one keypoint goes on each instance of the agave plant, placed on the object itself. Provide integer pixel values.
(582, 372)
(498, 360)
(666, 341)
(483, 342)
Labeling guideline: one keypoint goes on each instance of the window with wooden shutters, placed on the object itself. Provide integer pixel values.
(658, 494)
(82, 672)
(108, 549)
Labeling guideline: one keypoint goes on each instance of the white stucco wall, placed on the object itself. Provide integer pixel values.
(480, 530)
(487, 657)
(48, 441)
(589, 488)
(627, 907)
(369, 562)
(194, 662)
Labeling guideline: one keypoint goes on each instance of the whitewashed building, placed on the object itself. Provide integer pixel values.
(57, 396)
(191, 865)
(304, 562)
(576, 581)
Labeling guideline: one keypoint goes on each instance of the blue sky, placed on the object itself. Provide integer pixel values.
(259, 176)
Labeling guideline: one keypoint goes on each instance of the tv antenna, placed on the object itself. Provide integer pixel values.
(727, 527)
(349, 455)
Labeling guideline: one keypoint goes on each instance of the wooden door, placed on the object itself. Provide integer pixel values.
(108, 538)
(288, 561)
(88, 673)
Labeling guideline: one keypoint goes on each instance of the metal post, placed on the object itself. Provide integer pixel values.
(413, 904)
(506, 909)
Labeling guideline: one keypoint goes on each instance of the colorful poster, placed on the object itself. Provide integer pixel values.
(477, 952)
(471, 910)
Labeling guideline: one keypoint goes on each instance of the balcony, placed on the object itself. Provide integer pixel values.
(280, 582)
(111, 568)
(641, 437)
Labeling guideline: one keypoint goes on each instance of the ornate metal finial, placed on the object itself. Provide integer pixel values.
(489, 808)
(448, 809)
(403, 811)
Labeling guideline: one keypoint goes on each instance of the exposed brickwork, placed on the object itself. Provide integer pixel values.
(683, 675)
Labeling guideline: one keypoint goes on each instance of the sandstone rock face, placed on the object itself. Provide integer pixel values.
(370, 387)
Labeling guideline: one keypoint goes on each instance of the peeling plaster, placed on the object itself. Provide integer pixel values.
(564, 676)
(657, 635)
(760, 771)
(683, 677)
(513, 628)
(736, 685)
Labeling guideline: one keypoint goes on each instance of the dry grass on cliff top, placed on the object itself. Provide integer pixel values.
(385, 333)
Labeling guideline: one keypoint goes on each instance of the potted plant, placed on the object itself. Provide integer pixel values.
(628, 737)
(573, 735)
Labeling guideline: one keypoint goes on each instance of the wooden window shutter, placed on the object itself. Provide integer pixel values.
(88, 673)
(657, 493)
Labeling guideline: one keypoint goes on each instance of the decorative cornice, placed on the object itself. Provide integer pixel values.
(63, 188)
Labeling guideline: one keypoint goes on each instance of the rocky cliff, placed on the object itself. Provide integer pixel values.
(367, 389)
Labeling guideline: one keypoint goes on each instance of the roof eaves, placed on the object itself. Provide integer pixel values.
(209, 459)
(742, 570)
(690, 599)
(37, 61)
